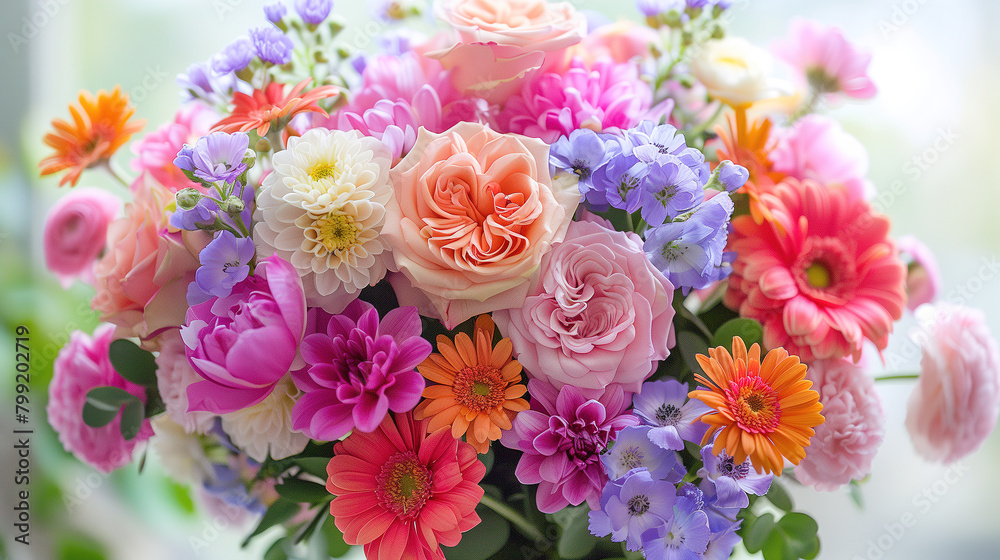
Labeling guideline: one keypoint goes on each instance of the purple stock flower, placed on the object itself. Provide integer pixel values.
(216, 157)
(731, 176)
(719, 519)
(225, 262)
(275, 11)
(684, 536)
(359, 370)
(631, 506)
(633, 449)
(227, 485)
(201, 81)
(670, 189)
(620, 182)
(726, 484)
(651, 142)
(233, 57)
(313, 12)
(665, 406)
(272, 45)
(691, 253)
(581, 152)
(562, 437)
(721, 544)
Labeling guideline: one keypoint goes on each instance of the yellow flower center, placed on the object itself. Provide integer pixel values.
(336, 231)
(818, 275)
(754, 404)
(479, 388)
(404, 484)
(325, 170)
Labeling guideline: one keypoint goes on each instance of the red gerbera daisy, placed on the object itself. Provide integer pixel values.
(402, 493)
(272, 105)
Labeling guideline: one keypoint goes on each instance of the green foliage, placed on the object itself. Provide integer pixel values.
(778, 496)
(790, 538)
(79, 547)
(297, 490)
(575, 540)
(748, 329)
(483, 540)
(102, 406)
(280, 511)
(133, 363)
(690, 344)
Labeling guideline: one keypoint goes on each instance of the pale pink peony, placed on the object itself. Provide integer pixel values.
(80, 366)
(76, 232)
(845, 445)
(816, 147)
(602, 96)
(923, 277)
(827, 60)
(141, 282)
(157, 150)
(822, 276)
(475, 211)
(597, 314)
(173, 375)
(955, 405)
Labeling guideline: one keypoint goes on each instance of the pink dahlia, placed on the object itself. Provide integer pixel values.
(157, 150)
(80, 366)
(562, 437)
(359, 368)
(955, 405)
(607, 95)
(401, 492)
(845, 445)
(827, 60)
(822, 276)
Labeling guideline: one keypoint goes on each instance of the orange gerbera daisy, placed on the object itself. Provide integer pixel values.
(749, 145)
(765, 410)
(100, 126)
(272, 105)
(479, 390)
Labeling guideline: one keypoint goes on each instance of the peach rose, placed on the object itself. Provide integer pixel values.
(142, 280)
(473, 214)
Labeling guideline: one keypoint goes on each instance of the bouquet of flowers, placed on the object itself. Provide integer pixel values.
(524, 284)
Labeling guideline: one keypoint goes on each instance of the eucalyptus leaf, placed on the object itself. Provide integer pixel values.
(575, 540)
(757, 532)
(133, 363)
(132, 416)
(103, 403)
(778, 496)
(748, 329)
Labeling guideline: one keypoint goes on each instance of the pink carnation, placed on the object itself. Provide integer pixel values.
(173, 376)
(817, 148)
(845, 445)
(827, 60)
(80, 366)
(562, 437)
(955, 405)
(604, 96)
(157, 150)
(76, 233)
(597, 314)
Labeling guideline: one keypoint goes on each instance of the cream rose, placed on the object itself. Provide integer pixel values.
(735, 72)
(474, 213)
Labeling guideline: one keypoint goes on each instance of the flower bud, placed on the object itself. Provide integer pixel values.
(187, 198)
(233, 205)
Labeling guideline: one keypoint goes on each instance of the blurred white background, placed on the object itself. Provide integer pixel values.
(937, 66)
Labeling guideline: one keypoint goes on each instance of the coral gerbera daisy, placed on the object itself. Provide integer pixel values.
(401, 493)
(821, 277)
(272, 105)
(100, 126)
(763, 410)
(479, 389)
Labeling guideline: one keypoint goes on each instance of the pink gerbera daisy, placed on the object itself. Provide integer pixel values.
(820, 275)
(401, 492)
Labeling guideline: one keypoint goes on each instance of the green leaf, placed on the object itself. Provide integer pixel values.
(778, 496)
(856, 495)
(798, 523)
(133, 363)
(277, 550)
(317, 520)
(487, 459)
(132, 416)
(575, 540)
(483, 540)
(181, 495)
(297, 490)
(691, 345)
(103, 403)
(793, 537)
(280, 511)
(757, 532)
(80, 547)
(748, 329)
(334, 539)
(315, 466)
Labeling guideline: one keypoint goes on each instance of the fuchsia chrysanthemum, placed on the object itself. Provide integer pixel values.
(606, 95)
(821, 276)
(402, 493)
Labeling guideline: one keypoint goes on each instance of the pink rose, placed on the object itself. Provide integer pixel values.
(173, 376)
(244, 343)
(75, 233)
(955, 405)
(80, 366)
(474, 213)
(845, 445)
(499, 43)
(817, 148)
(142, 281)
(157, 150)
(597, 314)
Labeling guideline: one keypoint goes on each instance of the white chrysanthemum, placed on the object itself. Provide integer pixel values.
(267, 425)
(181, 453)
(322, 210)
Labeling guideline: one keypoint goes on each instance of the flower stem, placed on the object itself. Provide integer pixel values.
(508, 513)
(897, 377)
(114, 173)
